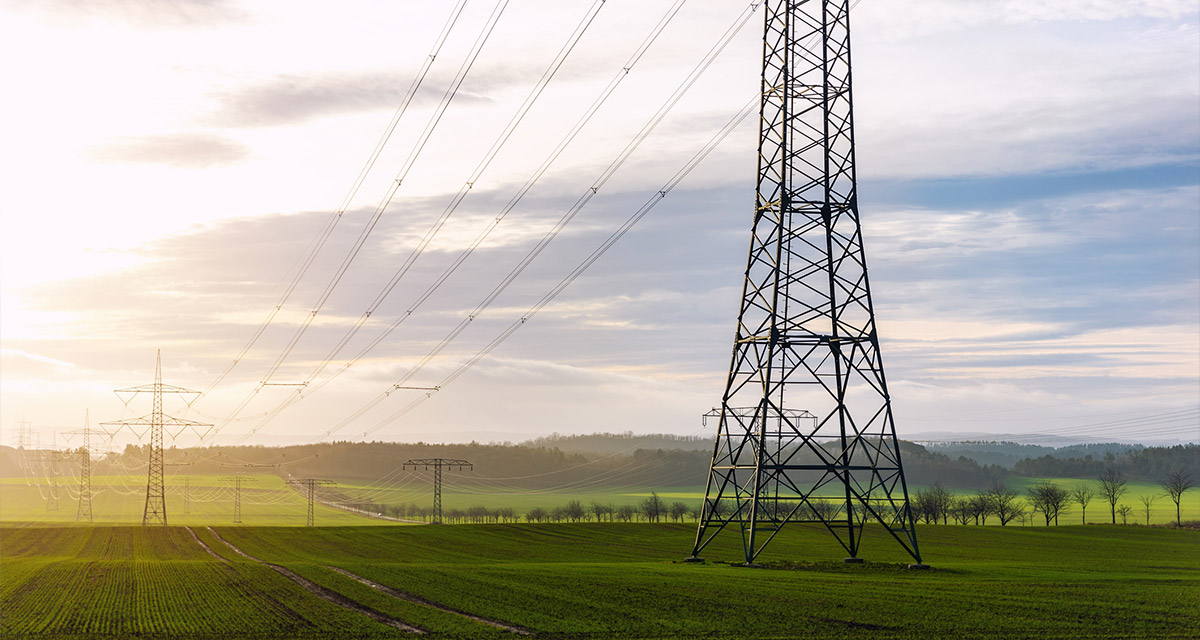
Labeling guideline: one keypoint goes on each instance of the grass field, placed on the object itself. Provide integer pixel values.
(598, 581)
(1098, 510)
(268, 501)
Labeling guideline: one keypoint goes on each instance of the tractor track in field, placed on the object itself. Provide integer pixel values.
(324, 593)
(415, 599)
(204, 546)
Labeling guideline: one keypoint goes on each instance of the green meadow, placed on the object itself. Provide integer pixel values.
(267, 500)
(595, 580)
(204, 500)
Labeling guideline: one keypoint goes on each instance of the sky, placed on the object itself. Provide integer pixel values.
(1029, 186)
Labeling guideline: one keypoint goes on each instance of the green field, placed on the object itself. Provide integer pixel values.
(1162, 511)
(268, 501)
(598, 581)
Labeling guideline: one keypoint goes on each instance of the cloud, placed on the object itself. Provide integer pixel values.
(141, 13)
(182, 150)
(291, 99)
(40, 359)
(919, 18)
(992, 98)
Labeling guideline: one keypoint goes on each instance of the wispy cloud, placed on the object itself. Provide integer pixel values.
(293, 99)
(141, 13)
(182, 150)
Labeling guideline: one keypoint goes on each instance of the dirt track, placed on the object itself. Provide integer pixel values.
(319, 591)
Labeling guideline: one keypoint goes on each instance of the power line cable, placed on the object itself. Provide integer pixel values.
(318, 242)
(306, 390)
(558, 289)
(447, 98)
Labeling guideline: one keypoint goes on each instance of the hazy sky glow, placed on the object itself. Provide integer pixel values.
(1029, 179)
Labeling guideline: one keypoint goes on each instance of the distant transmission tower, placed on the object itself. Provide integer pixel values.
(438, 464)
(237, 482)
(23, 434)
(805, 430)
(310, 486)
(84, 510)
(155, 511)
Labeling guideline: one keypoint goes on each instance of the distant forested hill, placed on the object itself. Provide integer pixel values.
(621, 442)
(1008, 454)
(1150, 463)
(605, 460)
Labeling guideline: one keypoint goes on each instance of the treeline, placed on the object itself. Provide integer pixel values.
(1047, 499)
(621, 442)
(1150, 464)
(615, 460)
(1008, 454)
(651, 509)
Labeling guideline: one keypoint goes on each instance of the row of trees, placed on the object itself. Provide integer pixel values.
(937, 504)
(1045, 500)
(652, 509)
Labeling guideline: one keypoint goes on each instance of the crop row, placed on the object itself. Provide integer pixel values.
(162, 596)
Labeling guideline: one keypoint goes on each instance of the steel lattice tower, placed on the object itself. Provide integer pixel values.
(155, 511)
(806, 431)
(309, 486)
(438, 464)
(85, 478)
(237, 482)
(84, 510)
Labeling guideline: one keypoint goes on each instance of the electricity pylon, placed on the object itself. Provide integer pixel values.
(438, 464)
(805, 430)
(237, 482)
(155, 511)
(310, 485)
(84, 510)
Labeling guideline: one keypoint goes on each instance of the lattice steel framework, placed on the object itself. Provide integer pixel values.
(237, 482)
(83, 510)
(806, 330)
(155, 511)
(438, 464)
(310, 488)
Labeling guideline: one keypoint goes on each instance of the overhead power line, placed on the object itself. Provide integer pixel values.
(318, 242)
(365, 233)
(483, 164)
(546, 299)
(581, 202)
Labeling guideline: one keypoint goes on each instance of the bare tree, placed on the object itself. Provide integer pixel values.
(1050, 499)
(942, 501)
(960, 509)
(1112, 487)
(980, 507)
(601, 510)
(1176, 484)
(626, 512)
(574, 511)
(1148, 505)
(1003, 502)
(1083, 494)
(653, 507)
(1124, 511)
(925, 505)
(677, 510)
